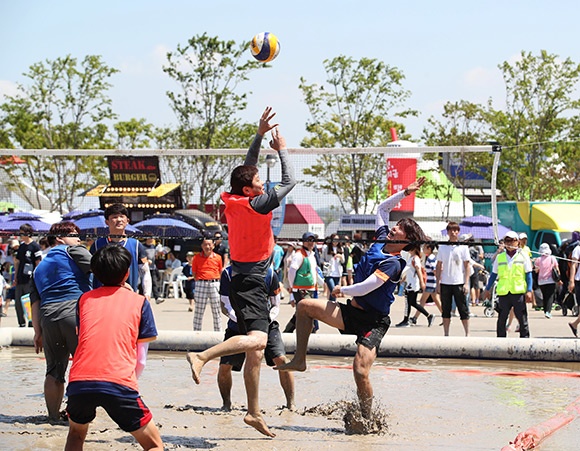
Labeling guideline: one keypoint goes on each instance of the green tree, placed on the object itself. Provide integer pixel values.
(209, 72)
(540, 104)
(63, 108)
(537, 129)
(463, 124)
(133, 134)
(355, 109)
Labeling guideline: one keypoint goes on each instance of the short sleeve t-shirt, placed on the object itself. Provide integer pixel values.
(452, 260)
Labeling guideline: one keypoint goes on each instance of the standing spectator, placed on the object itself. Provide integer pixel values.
(58, 282)
(8, 276)
(452, 273)
(189, 282)
(115, 327)
(523, 240)
(206, 269)
(278, 261)
(288, 256)
(415, 283)
(221, 248)
(574, 285)
(333, 263)
(44, 246)
(546, 265)
(117, 219)
(2, 295)
(302, 275)
(26, 259)
(430, 291)
(355, 253)
(151, 250)
(478, 266)
(513, 271)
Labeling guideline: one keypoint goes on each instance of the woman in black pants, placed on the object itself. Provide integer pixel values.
(415, 284)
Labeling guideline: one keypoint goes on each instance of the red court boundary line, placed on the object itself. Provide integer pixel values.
(467, 372)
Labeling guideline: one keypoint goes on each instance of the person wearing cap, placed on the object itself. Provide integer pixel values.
(513, 271)
(366, 314)
(249, 214)
(206, 269)
(452, 273)
(189, 282)
(523, 239)
(302, 275)
(548, 275)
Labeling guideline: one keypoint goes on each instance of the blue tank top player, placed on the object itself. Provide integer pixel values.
(366, 314)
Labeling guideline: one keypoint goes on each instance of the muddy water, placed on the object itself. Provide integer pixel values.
(421, 404)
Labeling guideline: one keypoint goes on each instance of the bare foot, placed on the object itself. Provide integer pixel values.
(291, 407)
(291, 366)
(196, 366)
(259, 424)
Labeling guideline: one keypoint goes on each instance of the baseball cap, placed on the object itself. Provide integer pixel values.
(511, 234)
(465, 237)
(190, 254)
(522, 236)
(308, 235)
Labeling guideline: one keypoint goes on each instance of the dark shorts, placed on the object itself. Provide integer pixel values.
(59, 341)
(249, 298)
(368, 327)
(274, 348)
(130, 414)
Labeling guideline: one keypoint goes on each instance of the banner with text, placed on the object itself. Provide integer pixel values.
(401, 172)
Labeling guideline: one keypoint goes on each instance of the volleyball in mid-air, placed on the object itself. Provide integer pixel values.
(265, 47)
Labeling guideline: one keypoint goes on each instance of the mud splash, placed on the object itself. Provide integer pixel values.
(349, 412)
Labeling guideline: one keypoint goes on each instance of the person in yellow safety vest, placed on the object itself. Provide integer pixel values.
(513, 270)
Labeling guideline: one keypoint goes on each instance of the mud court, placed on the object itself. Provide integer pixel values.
(426, 404)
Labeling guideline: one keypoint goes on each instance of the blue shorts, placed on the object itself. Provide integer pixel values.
(130, 414)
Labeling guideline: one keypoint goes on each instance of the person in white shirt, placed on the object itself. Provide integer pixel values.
(574, 285)
(452, 273)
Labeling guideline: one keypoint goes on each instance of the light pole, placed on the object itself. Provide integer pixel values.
(271, 161)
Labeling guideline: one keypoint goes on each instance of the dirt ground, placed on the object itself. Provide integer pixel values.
(422, 404)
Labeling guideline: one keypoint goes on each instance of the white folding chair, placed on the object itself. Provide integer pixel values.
(174, 282)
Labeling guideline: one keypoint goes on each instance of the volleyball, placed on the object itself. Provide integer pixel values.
(265, 47)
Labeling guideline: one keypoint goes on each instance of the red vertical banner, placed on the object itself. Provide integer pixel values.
(401, 172)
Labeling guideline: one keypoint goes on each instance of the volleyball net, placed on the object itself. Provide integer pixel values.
(337, 190)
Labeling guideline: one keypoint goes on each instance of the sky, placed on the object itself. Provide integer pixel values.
(448, 50)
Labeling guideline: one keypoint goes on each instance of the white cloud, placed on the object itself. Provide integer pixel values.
(159, 54)
(7, 88)
(479, 77)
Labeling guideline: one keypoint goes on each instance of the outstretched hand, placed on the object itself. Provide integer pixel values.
(416, 185)
(264, 126)
(277, 142)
